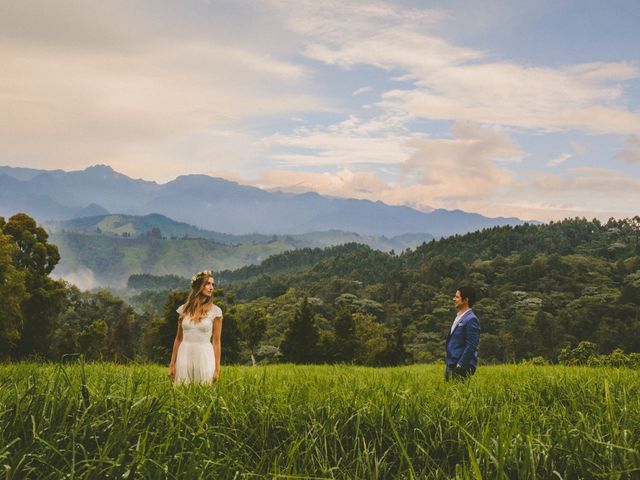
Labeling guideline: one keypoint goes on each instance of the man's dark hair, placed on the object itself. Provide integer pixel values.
(468, 293)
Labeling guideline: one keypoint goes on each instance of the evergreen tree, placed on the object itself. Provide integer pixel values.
(252, 328)
(168, 328)
(300, 343)
(121, 346)
(345, 342)
(230, 338)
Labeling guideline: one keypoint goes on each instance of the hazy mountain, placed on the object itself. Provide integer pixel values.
(105, 250)
(219, 205)
(16, 196)
(135, 226)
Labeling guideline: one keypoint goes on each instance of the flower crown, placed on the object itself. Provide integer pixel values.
(200, 276)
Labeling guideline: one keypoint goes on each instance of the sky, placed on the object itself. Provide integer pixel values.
(504, 108)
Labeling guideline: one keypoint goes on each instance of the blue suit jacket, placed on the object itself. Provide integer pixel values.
(462, 343)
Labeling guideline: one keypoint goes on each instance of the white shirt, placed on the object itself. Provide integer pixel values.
(457, 320)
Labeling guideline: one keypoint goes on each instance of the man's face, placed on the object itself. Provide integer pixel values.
(458, 301)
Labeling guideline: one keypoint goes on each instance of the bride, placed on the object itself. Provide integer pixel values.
(196, 350)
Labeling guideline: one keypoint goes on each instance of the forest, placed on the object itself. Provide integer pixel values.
(545, 291)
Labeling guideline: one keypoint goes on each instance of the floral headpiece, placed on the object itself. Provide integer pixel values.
(199, 276)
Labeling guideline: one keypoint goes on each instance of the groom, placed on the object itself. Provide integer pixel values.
(463, 338)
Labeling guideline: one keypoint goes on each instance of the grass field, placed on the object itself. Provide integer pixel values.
(283, 421)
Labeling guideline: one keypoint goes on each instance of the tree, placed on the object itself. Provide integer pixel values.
(252, 328)
(345, 342)
(37, 259)
(121, 346)
(394, 352)
(580, 355)
(169, 325)
(300, 343)
(65, 341)
(371, 338)
(152, 348)
(12, 293)
(230, 337)
(93, 340)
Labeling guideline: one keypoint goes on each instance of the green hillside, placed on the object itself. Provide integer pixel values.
(541, 288)
(111, 260)
(153, 224)
(106, 250)
(544, 291)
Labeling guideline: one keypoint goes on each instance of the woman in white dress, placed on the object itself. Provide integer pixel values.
(196, 349)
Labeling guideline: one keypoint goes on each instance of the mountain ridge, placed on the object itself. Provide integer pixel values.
(221, 205)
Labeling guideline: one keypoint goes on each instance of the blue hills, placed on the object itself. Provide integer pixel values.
(219, 205)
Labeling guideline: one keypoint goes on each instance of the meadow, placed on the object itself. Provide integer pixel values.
(309, 422)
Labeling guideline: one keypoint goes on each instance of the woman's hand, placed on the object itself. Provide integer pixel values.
(172, 371)
(216, 375)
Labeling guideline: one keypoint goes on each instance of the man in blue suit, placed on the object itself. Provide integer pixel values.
(463, 338)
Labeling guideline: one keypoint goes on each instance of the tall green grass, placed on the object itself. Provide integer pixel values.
(508, 422)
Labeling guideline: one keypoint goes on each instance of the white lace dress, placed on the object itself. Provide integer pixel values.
(195, 362)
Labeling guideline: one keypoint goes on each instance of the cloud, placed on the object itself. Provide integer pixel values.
(595, 192)
(353, 141)
(630, 155)
(514, 96)
(463, 167)
(592, 182)
(344, 183)
(591, 192)
(83, 278)
(427, 171)
(559, 160)
(388, 36)
(130, 84)
(578, 147)
(473, 171)
(361, 90)
(457, 83)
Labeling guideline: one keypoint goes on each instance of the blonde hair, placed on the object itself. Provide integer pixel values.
(197, 304)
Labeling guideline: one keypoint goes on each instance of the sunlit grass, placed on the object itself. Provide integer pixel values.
(509, 422)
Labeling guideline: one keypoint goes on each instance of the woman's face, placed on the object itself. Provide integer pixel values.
(207, 288)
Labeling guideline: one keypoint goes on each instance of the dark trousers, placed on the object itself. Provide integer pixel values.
(453, 373)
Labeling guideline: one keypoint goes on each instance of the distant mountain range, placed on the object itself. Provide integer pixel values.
(219, 205)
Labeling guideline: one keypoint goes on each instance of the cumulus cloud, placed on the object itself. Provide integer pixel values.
(428, 171)
(463, 167)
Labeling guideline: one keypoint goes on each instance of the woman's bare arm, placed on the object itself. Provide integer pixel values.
(174, 353)
(217, 344)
